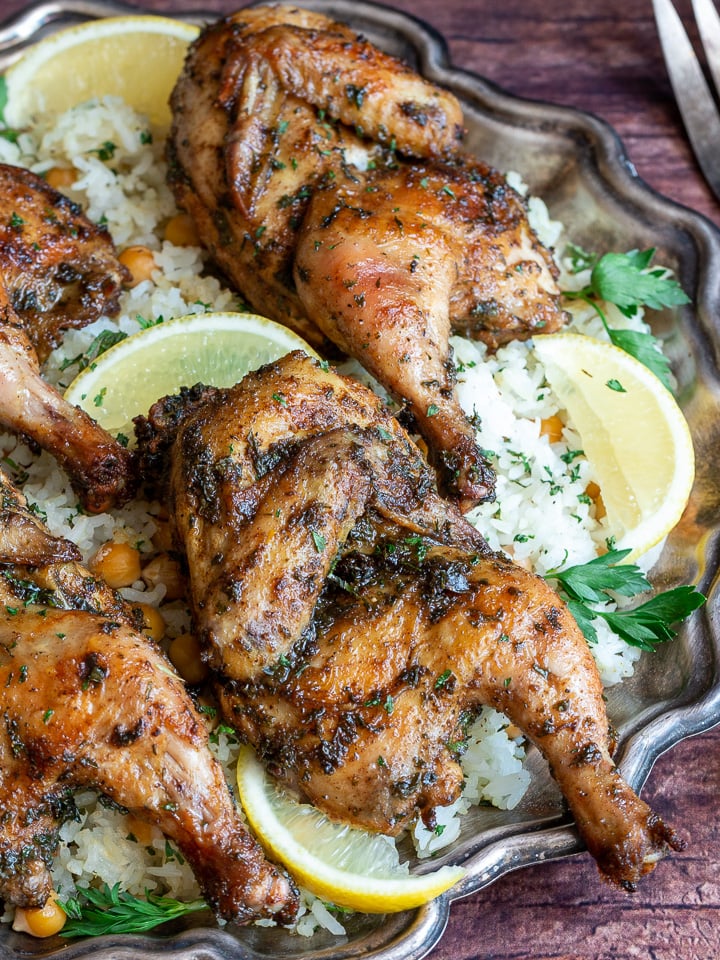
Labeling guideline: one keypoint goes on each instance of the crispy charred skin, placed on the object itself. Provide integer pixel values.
(380, 252)
(352, 615)
(88, 701)
(57, 270)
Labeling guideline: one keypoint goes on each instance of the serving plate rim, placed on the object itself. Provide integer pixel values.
(616, 174)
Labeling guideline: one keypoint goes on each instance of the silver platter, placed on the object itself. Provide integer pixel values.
(578, 165)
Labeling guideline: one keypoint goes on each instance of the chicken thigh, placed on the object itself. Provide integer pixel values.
(326, 180)
(357, 623)
(88, 701)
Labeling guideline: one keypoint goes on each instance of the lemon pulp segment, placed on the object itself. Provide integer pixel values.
(349, 867)
(633, 433)
(138, 58)
(216, 349)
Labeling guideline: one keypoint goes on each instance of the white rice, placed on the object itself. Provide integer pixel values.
(541, 517)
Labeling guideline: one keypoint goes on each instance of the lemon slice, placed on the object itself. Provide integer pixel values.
(633, 433)
(138, 58)
(217, 349)
(347, 866)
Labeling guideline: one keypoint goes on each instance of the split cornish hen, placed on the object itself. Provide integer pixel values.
(57, 270)
(326, 179)
(88, 701)
(356, 622)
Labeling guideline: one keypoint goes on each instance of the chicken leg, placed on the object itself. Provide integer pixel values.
(392, 622)
(326, 180)
(88, 701)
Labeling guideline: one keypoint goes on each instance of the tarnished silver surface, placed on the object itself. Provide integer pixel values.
(577, 163)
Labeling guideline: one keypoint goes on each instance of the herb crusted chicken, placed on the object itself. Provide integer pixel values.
(356, 622)
(326, 179)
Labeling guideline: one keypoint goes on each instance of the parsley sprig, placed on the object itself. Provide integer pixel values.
(626, 280)
(112, 910)
(606, 577)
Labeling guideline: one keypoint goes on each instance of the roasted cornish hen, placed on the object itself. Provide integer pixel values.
(326, 180)
(350, 614)
(88, 701)
(57, 270)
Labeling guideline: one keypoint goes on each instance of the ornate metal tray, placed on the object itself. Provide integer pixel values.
(577, 163)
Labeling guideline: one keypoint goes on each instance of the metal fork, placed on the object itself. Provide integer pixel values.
(692, 92)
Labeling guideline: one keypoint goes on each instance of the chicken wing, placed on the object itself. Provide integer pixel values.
(357, 622)
(326, 180)
(57, 270)
(88, 701)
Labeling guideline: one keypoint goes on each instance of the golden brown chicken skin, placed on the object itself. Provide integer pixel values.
(57, 270)
(86, 700)
(326, 180)
(357, 622)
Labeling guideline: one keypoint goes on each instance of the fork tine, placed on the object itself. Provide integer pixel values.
(708, 22)
(692, 92)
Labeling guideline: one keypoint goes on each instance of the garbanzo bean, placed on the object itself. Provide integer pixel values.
(140, 829)
(184, 653)
(40, 921)
(117, 563)
(163, 569)
(154, 622)
(181, 231)
(552, 428)
(140, 261)
(593, 491)
(59, 177)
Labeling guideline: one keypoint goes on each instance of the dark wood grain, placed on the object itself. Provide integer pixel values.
(602, 57)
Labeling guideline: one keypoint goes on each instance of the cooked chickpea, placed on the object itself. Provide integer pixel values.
(163, 569)
(140, 261)
(162, 538)
(552, 428)
(117, 563)
(593, 491)
(154, 622)
(184, 653)
(181, 231)
(40, 921)
(140, 829)
(59, 177)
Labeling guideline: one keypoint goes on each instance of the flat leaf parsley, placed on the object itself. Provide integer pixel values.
(605, 577)
(626, 280)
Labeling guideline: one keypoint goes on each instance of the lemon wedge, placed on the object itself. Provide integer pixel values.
(138, 58)
(347, 866)
(216, 349)
(633, 433)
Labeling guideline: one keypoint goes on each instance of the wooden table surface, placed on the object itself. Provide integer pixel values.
(603, 57)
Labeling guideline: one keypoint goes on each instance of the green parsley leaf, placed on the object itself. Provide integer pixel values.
(319, 540)
(3, 97)
(626, 280)
(644, 347)
(651, 622)
(604, 578)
